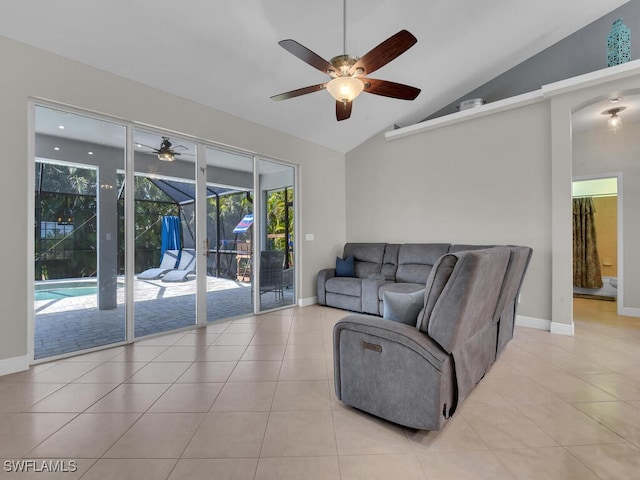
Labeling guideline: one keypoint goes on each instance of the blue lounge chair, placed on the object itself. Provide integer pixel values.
(186, 266)
(169, 261)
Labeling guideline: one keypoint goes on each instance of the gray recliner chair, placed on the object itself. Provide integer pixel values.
(417, 376)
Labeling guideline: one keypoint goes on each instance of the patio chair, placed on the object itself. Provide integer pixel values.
(186, 266)
(168, 262)
(271, 273)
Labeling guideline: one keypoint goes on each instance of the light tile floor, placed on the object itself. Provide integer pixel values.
(253, 399)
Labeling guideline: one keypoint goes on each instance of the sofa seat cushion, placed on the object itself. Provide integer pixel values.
(399, 288)
(350, 286)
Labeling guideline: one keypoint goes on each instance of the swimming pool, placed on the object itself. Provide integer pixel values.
(56, 290)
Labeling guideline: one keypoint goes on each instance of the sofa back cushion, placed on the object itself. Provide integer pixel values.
(367, 257)
(438, 278)
(390, 261)
(416, 260)
(459, 247)
(469, 298)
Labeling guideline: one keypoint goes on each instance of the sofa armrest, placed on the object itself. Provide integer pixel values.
(324, 275)
(407, 335)
(370, 293)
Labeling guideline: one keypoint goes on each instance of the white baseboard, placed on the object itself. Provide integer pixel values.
(305, 302)
(547, 325)
(531, 322)
(13, 365)
(562, 328)
(629, 311)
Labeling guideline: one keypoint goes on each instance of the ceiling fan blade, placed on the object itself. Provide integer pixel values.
(391, 48)
(343, 110)
(306, 55)
(298, 92)
(390, 89)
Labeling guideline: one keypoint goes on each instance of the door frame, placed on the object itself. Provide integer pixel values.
(619, 231)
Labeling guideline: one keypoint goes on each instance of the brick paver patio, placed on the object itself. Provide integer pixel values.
(75, 323)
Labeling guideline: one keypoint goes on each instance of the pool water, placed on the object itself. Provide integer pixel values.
(64, 292)
(59, 289)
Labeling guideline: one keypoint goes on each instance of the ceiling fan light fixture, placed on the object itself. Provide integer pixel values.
(345, 89)
(166, 156)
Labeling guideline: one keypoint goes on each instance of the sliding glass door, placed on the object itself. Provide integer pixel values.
(164, 233)
(229, 234)
(276, 239)
(79, 301)
(210, 233)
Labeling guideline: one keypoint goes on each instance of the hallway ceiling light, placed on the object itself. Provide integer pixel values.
(615, 122)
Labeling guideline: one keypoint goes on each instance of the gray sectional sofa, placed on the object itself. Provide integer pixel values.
(416, 373)
(380, 268)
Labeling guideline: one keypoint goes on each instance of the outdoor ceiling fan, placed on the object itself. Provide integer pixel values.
(166, 152)
(348, 72)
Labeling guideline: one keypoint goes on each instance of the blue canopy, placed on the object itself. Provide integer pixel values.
(170, 233)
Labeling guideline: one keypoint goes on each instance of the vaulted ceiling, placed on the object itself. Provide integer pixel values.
(225, 53)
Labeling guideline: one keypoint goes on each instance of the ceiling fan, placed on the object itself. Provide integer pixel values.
(348, 72)
(166, 152)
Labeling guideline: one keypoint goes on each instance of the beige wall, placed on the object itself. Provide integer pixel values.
(500, 178)
(28, 72)
(566, 98)
(483, 181)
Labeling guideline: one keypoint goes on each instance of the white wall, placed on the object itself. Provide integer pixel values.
(28, 72)
(597, 152)
(482, 181)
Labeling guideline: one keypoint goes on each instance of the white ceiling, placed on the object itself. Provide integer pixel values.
(224, 53)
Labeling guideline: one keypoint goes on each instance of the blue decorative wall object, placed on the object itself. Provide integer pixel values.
(618, 44)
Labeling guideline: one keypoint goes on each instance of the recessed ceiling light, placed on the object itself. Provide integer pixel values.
(615, 99)
(61, 127)
(90, 153)
(56, 148)
(138, 145)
